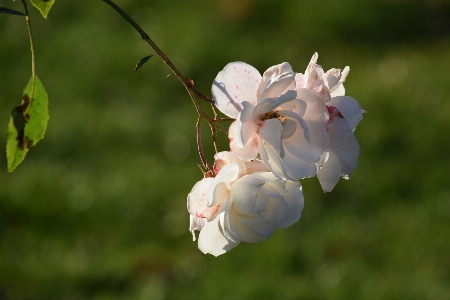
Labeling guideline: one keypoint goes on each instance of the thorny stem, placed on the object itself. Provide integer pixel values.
(30, 33)
(188, 83)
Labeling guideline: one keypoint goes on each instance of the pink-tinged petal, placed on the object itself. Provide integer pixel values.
(278, 86)
(314, 58)
(315, 79)
(300, 81)
(236, 83)
(247, 125)
(270, 132)
(198, 202)
(338, 89)
(349, 108)
(250, 149)
(212, 241)
(225, 157)
(316, 109)
(344, 145)
(333, 77)
(330, 173)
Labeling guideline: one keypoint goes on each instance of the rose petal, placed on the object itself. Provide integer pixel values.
(250, 149)
(270, 132)
(330, 173)
(316, 110)
(278, 86)
(236, 83)
(211, 239)
(344, 145)
(349, 108)
(245, 122)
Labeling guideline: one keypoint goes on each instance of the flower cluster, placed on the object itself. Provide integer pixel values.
(287, 126)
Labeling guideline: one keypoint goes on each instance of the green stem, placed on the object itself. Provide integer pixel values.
(30, 33)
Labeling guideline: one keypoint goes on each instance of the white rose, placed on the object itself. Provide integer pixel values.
(285, 126)
(229, 209)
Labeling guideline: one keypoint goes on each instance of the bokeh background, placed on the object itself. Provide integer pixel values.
(98, 208)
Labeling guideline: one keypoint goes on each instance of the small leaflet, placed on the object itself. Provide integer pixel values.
(43, 6)
(141, 63)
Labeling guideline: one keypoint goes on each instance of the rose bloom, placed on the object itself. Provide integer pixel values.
(341, 155)
(284, 125)
(243, 202)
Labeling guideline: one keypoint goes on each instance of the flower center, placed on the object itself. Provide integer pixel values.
(272, 115)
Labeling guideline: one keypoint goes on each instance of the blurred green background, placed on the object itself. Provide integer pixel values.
(98, 208)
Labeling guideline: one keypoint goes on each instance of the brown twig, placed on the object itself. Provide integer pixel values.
(200, 145)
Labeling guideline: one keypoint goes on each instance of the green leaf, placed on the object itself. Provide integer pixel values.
(27, 123)
(43, 6)
(141, 63)
(11, 11)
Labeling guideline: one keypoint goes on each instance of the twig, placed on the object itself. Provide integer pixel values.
(199, 143)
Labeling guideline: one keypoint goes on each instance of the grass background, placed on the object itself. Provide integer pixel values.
(97, 209)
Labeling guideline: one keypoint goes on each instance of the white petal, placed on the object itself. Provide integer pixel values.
(349, 108)
(236, 83)
(297, 169)
(330, 173)
(344, 144)
(272, 74)
(245, 122)
(272, 160)
(196, 223)
(300, 121)
(256, 166)
(294, 199)
(211, 239)
(270, 132)
(250, 149)
(272, 103)
(230, 226)
(338, 89)
(289, 128)
(316, 110)
(278, 86)
(244, 192)
(222, 181)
